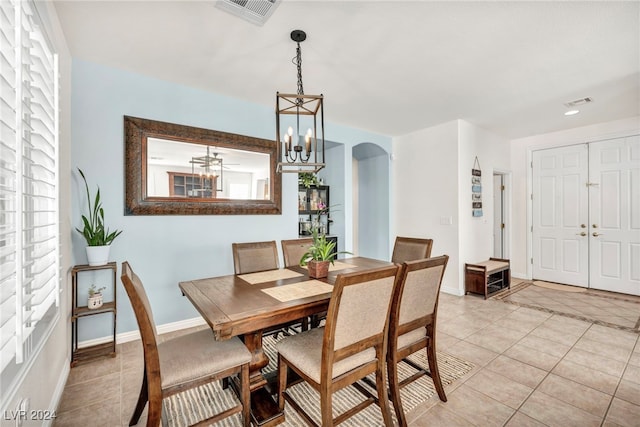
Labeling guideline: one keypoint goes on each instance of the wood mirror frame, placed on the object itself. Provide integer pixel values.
(137, 202)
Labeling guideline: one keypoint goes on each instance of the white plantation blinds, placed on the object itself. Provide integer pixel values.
(29, 233)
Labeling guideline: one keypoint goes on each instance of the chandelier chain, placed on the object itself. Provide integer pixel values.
(298, 62)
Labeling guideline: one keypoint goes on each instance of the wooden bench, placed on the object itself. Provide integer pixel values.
(487, 277)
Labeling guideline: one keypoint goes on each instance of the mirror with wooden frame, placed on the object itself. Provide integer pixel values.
(173, 169)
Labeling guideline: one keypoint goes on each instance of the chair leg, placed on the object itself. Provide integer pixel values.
(282, 382)
(154, 416)
(326, 405)
(246, 395)
(433, 365)
(394, 389)
(142, 401)
(383, 399)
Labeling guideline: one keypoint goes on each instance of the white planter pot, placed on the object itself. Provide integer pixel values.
(98, 255)
(95, 301)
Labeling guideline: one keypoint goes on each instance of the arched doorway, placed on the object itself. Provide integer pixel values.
(371, 201)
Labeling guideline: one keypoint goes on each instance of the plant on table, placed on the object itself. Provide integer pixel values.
(322, 250)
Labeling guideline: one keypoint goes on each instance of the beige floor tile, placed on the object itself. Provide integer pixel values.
(94, 369)
(567, 324)
(623, 413)
(478, 408)
(491, 341)
(632, 373)
(635, 359)
(517, 371)
(609, 350)
(545, 345)
(105, 412)
(472, 353)
(586, 376)
(596, 361)
(607, 335)
(629, 391)
(553, 334)
(500, 388)
(556, 413)
(521, 420)
(444, 341)
(586, 398)
(89, 392)
(440, 416)
(532, 357)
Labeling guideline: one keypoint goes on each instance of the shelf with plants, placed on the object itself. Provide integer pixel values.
(82, 309)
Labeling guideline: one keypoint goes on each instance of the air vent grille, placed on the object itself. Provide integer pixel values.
(578, 102)
(254, 11)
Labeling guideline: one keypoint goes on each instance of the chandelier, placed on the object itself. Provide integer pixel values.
(208, 178)
(301, 147)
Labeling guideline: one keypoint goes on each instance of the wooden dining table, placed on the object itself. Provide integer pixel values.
(245, 305)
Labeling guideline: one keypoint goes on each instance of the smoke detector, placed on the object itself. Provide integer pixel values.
(578, 102)
(255, 11)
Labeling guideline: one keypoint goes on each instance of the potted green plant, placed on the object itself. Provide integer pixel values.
(307, 179)
(322, 251)
(95, 297)
(98, 237)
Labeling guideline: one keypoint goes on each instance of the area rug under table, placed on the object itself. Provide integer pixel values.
(189, 407)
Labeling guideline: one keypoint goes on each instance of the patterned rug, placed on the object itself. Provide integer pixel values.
(618, 311)
(187, 408)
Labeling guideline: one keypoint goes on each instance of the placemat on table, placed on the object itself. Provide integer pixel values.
(268, 276)
(305, 289)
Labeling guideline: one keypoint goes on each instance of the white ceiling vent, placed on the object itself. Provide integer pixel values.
(578, 102)
(254, 11)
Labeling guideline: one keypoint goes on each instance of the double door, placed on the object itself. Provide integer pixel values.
(586, 215)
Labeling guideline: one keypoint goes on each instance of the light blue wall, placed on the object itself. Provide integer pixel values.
(164, 250)
(373, 192)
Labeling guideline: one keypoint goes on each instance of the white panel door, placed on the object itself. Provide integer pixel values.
(560, 215)
(614, 226)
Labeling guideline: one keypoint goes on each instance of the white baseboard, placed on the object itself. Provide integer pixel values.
(135, 335)
(452, 291)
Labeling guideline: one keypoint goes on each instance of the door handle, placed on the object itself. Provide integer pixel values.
(597, 234)
(581, 234)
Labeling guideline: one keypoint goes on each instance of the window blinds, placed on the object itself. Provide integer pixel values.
(29, 231)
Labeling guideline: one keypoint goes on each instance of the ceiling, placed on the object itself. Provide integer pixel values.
(390, 67)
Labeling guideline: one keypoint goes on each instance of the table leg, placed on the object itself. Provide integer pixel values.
(264, 408)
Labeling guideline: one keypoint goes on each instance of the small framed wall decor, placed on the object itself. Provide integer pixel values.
(476, 189)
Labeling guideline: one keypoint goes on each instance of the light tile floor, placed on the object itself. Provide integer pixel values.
(533, 368)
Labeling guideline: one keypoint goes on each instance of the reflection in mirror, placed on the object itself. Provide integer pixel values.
(184, 170)
(173, 169)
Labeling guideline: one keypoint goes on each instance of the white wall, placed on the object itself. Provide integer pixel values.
(432, 185)
(476, 233)
(425, 189)
(521, 160)
(45, 378)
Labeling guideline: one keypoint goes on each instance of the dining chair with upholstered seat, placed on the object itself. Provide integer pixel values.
(252, 257)
(350, 346)
(413, 325)
(410, 249)
(184, 362)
